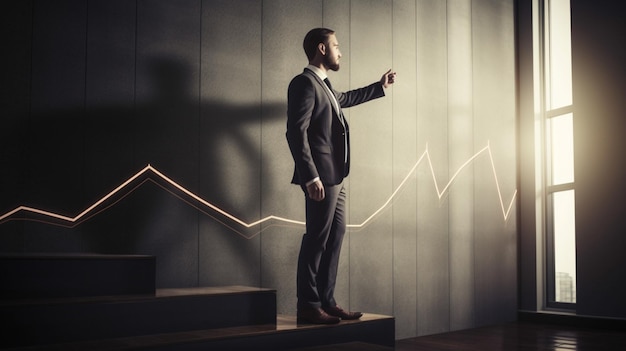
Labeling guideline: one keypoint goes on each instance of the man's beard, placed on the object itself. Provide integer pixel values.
(333, 66)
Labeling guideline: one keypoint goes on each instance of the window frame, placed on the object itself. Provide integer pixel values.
(546, 188)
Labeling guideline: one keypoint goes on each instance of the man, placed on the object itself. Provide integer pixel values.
(319, 140)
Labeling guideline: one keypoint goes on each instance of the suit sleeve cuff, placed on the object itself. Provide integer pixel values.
(312, 181)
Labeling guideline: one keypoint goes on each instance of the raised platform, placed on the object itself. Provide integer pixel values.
(50, 321)
(372, 332)
(108, 302)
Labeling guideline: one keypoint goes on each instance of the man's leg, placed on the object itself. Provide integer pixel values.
(319, 221)
(329, 264)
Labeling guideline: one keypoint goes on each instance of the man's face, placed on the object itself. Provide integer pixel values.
(331, 59)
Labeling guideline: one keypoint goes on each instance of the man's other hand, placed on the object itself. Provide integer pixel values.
(316, 190)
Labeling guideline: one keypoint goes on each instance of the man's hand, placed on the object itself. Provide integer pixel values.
(388, 78)
(316, 190)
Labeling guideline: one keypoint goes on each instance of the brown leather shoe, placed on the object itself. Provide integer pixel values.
(337, 311)
(316, 316)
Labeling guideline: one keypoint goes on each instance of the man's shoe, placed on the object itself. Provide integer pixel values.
(341, 313)
(316, 316)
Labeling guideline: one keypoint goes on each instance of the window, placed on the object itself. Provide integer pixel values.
(557, 155)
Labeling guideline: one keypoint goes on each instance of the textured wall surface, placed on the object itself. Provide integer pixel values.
(93, 91)
(599, 124)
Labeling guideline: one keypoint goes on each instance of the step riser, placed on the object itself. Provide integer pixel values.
(32, 324)
(378, 332)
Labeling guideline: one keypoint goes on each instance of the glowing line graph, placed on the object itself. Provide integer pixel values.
(441, 193)
(192, 197)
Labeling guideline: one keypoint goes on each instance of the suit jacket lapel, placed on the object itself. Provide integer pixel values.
(328, 93)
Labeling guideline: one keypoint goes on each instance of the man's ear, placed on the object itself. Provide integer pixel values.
(322, 48)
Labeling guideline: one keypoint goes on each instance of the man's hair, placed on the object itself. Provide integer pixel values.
(313, 38)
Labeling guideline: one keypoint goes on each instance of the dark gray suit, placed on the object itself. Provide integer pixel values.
(319, 141)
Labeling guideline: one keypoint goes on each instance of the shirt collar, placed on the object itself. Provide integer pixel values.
(318, 71)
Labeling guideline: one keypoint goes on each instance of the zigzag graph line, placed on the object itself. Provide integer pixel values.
(190, 198)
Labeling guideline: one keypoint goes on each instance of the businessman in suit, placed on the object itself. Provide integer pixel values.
(319, 140)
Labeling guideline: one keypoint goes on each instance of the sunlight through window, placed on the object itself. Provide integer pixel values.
(558, 152)
(562, 149)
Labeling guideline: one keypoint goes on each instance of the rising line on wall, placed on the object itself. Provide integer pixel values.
(191, 198)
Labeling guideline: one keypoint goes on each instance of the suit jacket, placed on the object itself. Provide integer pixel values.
(317, 134)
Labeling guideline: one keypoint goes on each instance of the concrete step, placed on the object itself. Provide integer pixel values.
(370, 333)
(31, 322)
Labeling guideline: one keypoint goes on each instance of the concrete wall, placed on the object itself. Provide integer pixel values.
(94, 91)
(599, 83)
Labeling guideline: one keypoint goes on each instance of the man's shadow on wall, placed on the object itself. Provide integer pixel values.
(189, 138)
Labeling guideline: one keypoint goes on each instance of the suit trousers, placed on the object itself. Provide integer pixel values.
(321, 245)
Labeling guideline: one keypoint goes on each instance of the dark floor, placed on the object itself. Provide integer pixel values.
(520, 336)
